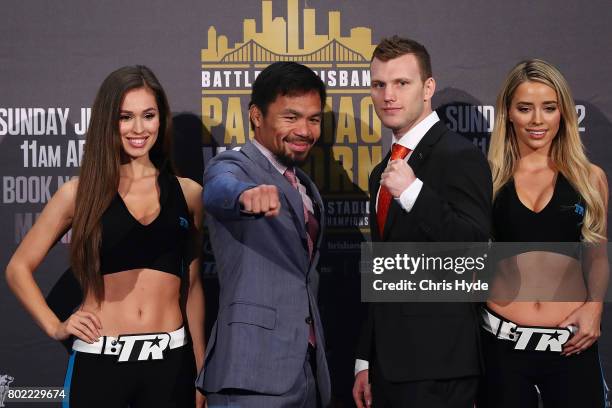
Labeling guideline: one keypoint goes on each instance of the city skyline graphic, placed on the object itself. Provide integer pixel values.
(279, 40)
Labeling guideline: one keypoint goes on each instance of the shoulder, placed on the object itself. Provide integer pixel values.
(63, 202)
(455, 141)
(598, 176)
(191, 190)
(228, 156)
(454, 146)
(68, 191)
(599, 180)
(232, 161)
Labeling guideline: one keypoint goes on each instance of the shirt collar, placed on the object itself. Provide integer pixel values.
(412, 138)
(281, 169)
(270, 156)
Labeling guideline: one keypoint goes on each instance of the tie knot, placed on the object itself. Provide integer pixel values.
(290, 175)
(398, 151)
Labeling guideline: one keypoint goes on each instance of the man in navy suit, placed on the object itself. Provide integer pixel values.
(265, 218)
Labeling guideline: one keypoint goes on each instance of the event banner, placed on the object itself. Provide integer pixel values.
(207, 54)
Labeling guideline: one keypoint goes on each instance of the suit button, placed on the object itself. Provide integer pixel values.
(308, 320)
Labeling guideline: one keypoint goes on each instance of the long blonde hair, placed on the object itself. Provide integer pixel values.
(566, 151)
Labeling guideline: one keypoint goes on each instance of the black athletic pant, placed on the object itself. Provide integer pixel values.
(511, 377)
(100, 381)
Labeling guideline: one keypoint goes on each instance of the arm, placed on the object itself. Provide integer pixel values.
(227, 197)
(223, 187)
(52, 223)
(364, 344)
(195, 304)
(362, 395)
(596, 264)
(597, 274)
(361, 388)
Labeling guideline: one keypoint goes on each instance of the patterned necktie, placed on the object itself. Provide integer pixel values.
(312, 225)
(312, 229)
(384, 196)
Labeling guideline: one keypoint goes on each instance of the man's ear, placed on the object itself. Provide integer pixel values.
(256, 116)
(430, 88)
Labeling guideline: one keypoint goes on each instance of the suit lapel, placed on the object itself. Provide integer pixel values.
(374, 187)
(416, 160)
(424, 148)
(296, 207)
(313, 192)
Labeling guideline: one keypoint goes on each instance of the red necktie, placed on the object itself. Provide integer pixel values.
(312, 229)
(384, 196)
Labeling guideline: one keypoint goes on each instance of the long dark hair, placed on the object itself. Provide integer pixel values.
(99, 175)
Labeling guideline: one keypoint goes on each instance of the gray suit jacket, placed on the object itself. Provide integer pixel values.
(268, 285)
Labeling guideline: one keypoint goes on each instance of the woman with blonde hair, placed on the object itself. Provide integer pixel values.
(135, 226)
(542, 320)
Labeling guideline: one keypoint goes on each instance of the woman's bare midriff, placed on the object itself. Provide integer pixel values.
(545, 314)
(138, 301)
(537, 288)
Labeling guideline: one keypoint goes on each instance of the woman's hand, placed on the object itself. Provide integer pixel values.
(588, 320)
(84, 325)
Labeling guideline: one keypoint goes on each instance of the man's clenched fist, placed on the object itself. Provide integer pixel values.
(262, 199)
(397, 177)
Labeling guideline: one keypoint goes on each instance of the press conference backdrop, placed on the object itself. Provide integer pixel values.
(54, 55)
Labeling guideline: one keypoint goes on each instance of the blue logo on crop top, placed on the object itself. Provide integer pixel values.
(183, 223)
(578, 209)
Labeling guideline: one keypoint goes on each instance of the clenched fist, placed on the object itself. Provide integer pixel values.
(262, 199)
(397, 177)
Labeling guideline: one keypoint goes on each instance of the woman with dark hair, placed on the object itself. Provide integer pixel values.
(135, 233)
(542, 320)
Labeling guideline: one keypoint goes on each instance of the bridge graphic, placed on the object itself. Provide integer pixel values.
(332, 51)
(290, 38)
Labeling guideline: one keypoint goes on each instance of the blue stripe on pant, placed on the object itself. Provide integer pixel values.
(68, 380)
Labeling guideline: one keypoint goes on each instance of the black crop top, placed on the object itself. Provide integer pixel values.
(163, 245)
(559, 221)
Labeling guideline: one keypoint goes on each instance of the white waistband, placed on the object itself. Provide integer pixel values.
(502, 329)
(506, 329)
(112, 345)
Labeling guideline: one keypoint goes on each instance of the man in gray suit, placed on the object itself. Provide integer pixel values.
(265, 218)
